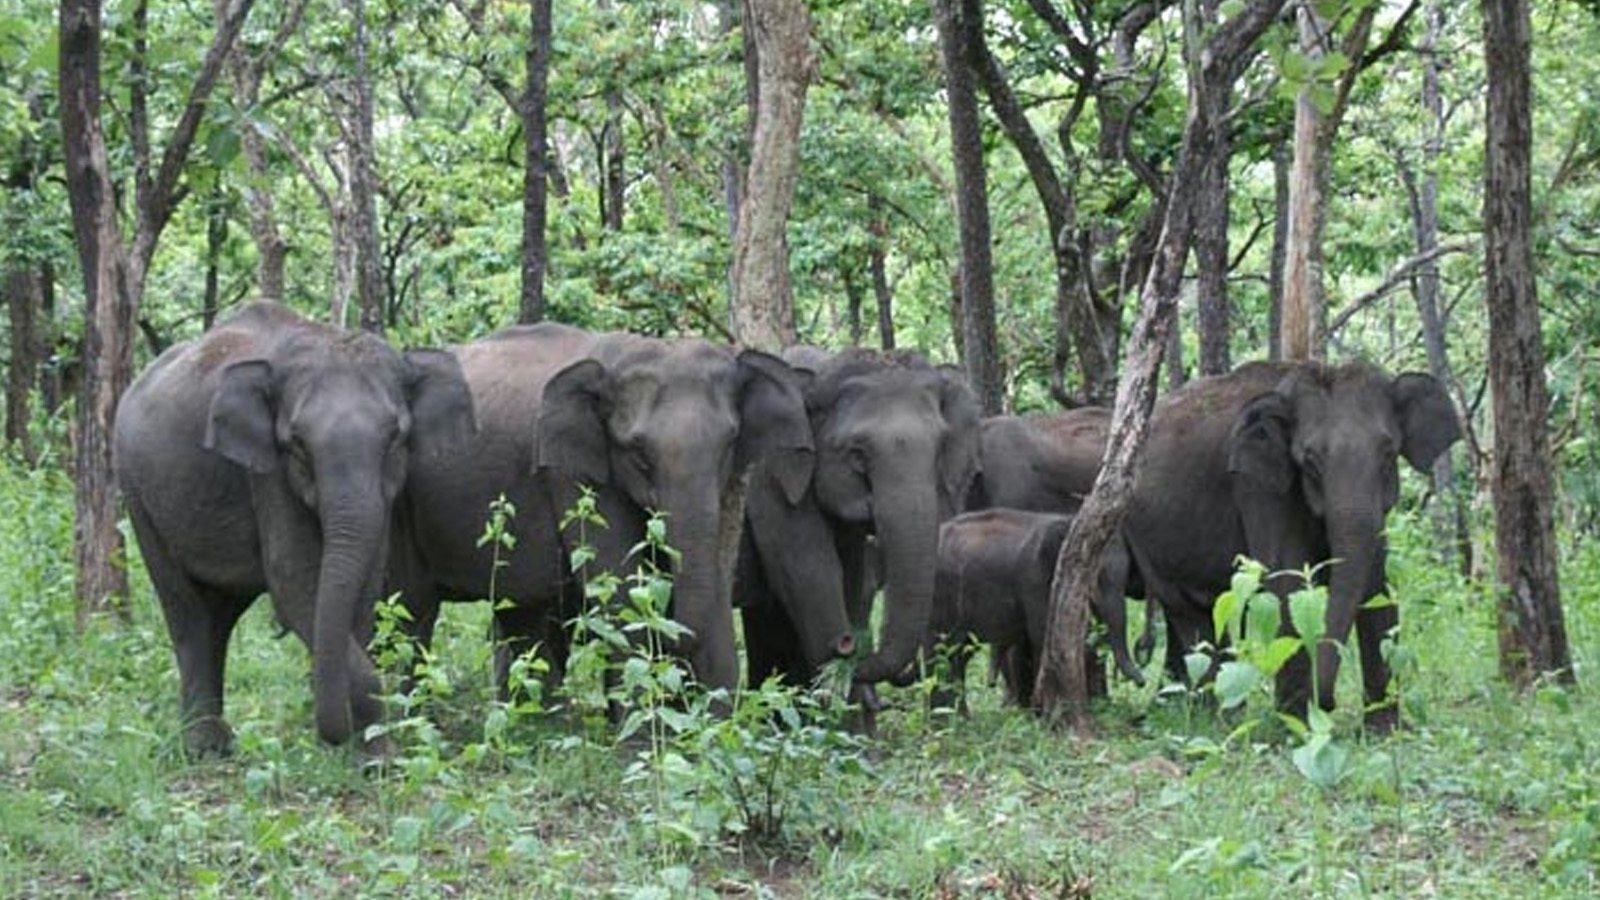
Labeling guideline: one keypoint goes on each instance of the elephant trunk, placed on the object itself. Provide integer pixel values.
(702, 600)
(354, 535)
(906, 518)
(1355, 539)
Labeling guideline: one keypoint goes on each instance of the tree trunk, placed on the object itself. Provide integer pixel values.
(1211, 261)
(110, 302)
(216, 236)
(1533, 636)
(23, 296)
(762, 305)
(113, 271)
(616, 157)
(732, 169)
(1061, 688)
(1077, 327)
(272, 249)
(363, 178)
(1450, 520)
(878, 260)
(981, 354)
(535, 163)
(22, 283)
(1280, 250)
(1305, 303)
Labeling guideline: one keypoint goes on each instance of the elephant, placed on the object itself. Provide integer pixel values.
(669, 425)
(897, 447)
(1048, 463)
(265, 456)
(992, 584)
(1292, 464)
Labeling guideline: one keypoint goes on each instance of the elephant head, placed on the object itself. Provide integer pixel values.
(336, 422)
(897, 448)
(673, 425)
(1315, 462)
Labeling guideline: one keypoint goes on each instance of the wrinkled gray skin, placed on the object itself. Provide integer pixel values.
(993, 585)
(1292, 464)
(897, 447)
(1048, 463)
(651, 424)
(265, 456)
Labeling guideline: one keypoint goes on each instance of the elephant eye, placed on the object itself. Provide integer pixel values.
(639, 457)
(856, 458)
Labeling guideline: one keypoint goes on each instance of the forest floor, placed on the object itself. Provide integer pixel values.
(1486, 793)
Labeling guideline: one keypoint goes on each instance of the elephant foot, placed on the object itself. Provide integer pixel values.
(377, 753)
(208, 737)
(1382, 719)
(864, 705)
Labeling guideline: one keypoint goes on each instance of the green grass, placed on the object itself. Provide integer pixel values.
(1488, 794)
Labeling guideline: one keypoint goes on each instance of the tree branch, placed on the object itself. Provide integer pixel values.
(1396, 276)
(154, 215)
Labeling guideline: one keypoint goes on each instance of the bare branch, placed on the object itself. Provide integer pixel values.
(1395, 278)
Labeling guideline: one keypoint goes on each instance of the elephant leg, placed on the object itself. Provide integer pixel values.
(771, 640)
(519, 630)
(199, 622)
(1373, 627)
(859, 586)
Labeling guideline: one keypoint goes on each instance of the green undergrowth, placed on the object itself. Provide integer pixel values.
(1486, 793)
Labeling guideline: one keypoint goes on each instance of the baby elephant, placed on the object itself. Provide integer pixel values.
(993, 585)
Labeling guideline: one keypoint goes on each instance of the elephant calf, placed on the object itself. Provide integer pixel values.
(992, 584)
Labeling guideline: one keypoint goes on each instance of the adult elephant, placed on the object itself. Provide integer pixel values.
(1047, 463)
(897, 447)
(650, 425)
(1291, 464)
(266, 456)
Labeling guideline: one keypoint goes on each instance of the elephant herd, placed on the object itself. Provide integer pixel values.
(320, 466)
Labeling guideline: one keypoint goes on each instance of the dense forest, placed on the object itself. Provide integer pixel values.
(1054, 205)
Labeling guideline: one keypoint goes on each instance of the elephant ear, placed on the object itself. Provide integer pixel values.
(240, 425)
(442, 416)
(773, 425)
(1258, 447)
(958, 450)
(1051, 537)
(570, 435)
(1428, 419)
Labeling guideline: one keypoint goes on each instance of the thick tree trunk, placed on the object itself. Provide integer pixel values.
(1061, 687)
(113, 271)
(1280, 250)
(363, 178)
(1211, 261)
(535, 163)
(1305, 303)
(981, 354)
(1533, 636)
(110, 302)
(762, 305)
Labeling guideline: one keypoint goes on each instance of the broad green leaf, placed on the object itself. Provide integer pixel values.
(1277, 653)
(1308, 611)
(1235, 682)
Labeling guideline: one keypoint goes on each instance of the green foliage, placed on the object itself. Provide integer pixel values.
(1487, 795)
